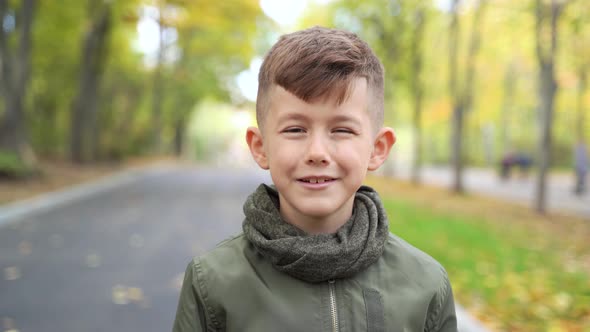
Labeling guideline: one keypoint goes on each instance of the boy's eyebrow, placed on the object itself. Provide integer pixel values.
(345, 118)
(292, 116)
(335, 118)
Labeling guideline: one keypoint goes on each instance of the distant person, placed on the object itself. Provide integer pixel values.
(506, 164)
(515, 159)
(316, 253)
(580, 167)
(524, 163)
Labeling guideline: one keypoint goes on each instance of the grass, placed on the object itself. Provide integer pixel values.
(513, 269)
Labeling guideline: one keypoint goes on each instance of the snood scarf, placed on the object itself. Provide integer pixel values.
(317, 257)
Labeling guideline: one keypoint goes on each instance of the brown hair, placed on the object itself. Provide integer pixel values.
(320, 63)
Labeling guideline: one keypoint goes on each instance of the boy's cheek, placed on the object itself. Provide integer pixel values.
(282, 157)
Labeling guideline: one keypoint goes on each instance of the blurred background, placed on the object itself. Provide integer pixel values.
(489, 100)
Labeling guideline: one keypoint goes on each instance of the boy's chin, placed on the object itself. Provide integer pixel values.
(319, 213)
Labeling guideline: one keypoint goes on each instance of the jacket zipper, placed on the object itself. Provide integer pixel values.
(333, 305)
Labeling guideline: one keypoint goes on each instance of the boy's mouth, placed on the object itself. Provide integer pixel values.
(316, 179)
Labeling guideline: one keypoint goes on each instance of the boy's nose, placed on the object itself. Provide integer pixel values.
(317, 152)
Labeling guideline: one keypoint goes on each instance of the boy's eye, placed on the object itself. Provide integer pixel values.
(343, 130)
(294, 130)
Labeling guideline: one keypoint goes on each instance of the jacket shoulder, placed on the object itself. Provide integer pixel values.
(425, 278)
(413, 262)
(225, 259)
(213, 272)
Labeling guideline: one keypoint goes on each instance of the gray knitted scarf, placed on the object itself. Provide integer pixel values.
(320, 257)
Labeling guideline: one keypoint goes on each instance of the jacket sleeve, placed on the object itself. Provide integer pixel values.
(190, 314)
(443, 317)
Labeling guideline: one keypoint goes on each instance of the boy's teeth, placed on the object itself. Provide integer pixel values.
(315, 180)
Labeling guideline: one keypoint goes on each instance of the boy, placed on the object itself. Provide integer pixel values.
(316, 253)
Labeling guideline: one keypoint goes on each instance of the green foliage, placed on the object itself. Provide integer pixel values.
(11, 166)
(57, 34)
(216, 40)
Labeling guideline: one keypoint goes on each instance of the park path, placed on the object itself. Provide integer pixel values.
(110, 256)
(517, 189)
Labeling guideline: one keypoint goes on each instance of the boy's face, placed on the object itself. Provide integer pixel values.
(318, 154)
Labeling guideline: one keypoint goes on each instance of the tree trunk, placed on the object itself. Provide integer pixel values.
(546, 98)
(15, 72)
(179, 132)
(547, 89)
(84, 135)
(462, 95)
(157, 92)
(457, 148)
(457, 117)
(417, 91)
(581, 114)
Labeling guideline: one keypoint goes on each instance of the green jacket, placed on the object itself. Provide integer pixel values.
(233, 288)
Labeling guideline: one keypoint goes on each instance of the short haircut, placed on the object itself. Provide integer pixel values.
(320, 63)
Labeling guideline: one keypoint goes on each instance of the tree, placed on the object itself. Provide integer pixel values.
(15, 69)
(84, 103)
(546, 19)
(461, 95)
(215, 43)
(84, 119)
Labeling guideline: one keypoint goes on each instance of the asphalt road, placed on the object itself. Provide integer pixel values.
(112, 258)
(113, 261)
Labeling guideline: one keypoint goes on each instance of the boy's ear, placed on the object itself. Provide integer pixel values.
(383, 143)
(256, 145)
